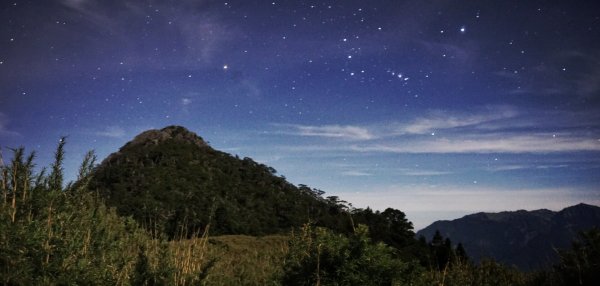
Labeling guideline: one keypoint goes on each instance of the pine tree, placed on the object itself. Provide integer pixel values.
(56, 175)
(461, 253)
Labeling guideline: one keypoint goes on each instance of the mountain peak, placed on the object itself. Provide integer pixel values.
(173, 132)
(172, 178)
(580, 206)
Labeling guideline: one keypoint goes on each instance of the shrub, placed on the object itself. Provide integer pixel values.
(318, 256)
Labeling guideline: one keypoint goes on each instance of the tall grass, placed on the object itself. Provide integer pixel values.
(51, 234)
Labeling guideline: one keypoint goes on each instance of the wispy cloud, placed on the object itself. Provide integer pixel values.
(425, 173)
(346, 132)
(442, 119)
(514, 167)
(423, 202)
(191, 24)
(111, 132)
(557, 77)
(186, 101)
(588, 83)
(488, 143)
(463, 52)
(504, 168)
(433, 121)
(497, 129)
(4, 131)
(356, 173)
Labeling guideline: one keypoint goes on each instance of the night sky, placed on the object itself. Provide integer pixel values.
(437, 108)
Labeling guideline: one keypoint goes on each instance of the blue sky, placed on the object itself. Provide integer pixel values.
(437, 108)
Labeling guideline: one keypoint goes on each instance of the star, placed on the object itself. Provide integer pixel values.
(498, 84)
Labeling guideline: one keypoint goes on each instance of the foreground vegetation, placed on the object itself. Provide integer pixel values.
(51, 234)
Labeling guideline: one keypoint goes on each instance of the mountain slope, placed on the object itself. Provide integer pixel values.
(171, 180)
(527, 239)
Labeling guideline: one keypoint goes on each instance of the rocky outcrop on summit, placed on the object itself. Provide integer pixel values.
(177, 133)
(155, 137)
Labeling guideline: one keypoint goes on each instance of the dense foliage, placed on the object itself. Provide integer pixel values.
(51, 234)
(317, 256)
(55, 235)
(320, 257)
(169, 179)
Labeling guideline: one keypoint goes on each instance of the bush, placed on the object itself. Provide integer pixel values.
(317, 256)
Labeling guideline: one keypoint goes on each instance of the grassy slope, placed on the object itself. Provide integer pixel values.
(238, 259)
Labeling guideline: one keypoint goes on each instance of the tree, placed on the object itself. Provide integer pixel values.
(399, 229)
(56, 175)
(318, 256)
(461, 253)
(440, 250)
(581, 264)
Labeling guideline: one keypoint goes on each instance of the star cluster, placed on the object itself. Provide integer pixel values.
(438, 108)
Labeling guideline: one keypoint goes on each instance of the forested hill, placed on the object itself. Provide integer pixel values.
(527, 239)
(171, 180)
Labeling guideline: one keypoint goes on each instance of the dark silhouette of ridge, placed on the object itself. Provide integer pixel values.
(526, 239)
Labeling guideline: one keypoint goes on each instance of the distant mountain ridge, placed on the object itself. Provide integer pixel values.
(526, 239)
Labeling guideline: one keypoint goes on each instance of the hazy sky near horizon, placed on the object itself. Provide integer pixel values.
(437, 108)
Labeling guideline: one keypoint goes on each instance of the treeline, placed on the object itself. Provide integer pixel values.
(174, 183)
(52, 234)
(318, 256)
